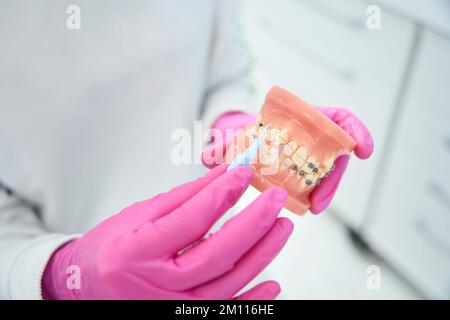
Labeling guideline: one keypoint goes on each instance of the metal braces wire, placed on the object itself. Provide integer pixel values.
(294, 167)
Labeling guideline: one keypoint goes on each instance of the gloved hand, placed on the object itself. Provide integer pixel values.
(135, 254)
(323, 194)
(226, 125)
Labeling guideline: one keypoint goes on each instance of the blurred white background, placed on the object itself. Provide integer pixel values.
(396, 79)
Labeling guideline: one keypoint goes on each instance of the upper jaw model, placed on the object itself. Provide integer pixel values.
(298, 147)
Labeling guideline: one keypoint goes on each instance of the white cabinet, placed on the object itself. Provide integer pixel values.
(322, 51)
(410, 223)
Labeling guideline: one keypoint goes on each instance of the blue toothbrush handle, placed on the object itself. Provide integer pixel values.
(246, 158)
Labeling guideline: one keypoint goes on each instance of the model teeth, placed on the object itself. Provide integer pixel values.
(269, 149)
(299, 156)
(287, 163)
(306, 183)
(290, 165)
(326, 167)
(309, 165)
(273, 136)
(289, 148)
(293, 168)
(284, 136)
(268, 154)
(267, 159)
(277, 148)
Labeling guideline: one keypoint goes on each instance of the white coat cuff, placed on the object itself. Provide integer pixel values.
(28, 266)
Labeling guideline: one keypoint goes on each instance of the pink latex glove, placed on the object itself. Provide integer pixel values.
(135, 254)
(323, 194)
(226, 124)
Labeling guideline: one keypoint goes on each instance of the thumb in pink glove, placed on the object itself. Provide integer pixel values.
(146, 251)
(323, 193)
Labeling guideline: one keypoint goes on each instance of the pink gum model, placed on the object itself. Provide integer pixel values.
(298, 147)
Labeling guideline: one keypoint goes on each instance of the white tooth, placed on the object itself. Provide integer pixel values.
(268, 158)
(289, 148)
(293, 169)
(277, 139)
(274, 132)
(268, 153)
(306, 182)
(269, 148)
(315, 176)
(325, 168)
(284, 136)
(327, 164)
(287, 163)
(309, 165)
(272, 135)
(290, 165)
(299, 156)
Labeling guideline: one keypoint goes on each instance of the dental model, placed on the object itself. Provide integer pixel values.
(297, 146)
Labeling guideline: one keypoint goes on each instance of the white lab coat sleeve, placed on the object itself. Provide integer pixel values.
(25, 248)
(229, 86)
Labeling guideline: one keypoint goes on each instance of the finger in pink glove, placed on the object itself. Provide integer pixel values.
(147, 250)
(324, 193)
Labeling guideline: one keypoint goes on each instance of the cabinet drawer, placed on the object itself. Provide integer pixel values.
(411, 220)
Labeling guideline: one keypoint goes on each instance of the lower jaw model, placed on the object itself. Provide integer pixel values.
(298, 147)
